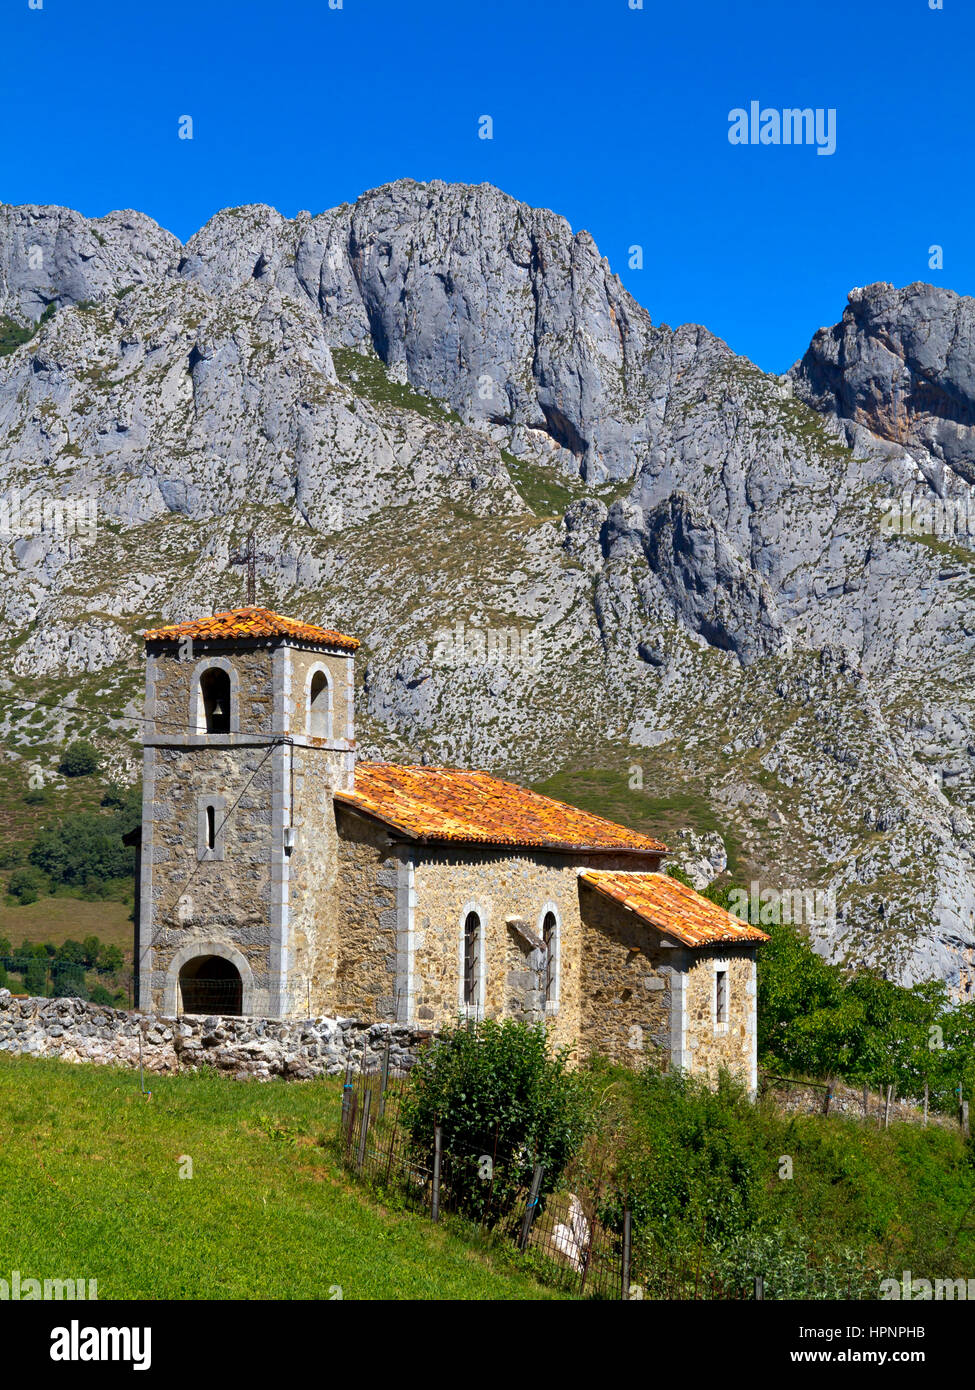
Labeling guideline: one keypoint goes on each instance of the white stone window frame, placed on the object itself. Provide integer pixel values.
(721, 1027)
(320, 667)
(475, 1010)
(552, 1005)
(198, 718)
(203, 851)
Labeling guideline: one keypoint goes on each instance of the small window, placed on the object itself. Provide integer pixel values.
(549, 931)
(215, 695)
(721, 996)
(211, 821)
(472, 933)
(319, 706)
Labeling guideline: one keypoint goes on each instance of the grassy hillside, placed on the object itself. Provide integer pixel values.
(90, 1173)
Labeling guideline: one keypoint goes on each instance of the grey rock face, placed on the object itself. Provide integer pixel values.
(901, 362)
(51, 255)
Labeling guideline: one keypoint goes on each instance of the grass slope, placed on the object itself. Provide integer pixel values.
(89, 1171)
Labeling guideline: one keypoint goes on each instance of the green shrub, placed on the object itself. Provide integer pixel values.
(80, 759)
(84, 848)
(693, 1164)
(35, 976)
(37, 796)
(498, 1094)
(109, 960)
(100, 995)
(69, 982)
(24, 885)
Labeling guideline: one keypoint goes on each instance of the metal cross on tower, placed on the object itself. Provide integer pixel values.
(249, 556)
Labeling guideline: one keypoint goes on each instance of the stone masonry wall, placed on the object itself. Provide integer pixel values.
(710, 1046)
(627, 977)
(244, 1048)
(366, 890)
(498, 885)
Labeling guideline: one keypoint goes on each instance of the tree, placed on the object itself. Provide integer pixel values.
(80, 759)
(69, 982)
(24, 884)
(35, 976)
(110, 959)
(503, 1104)
(85, 846)
(71, 952)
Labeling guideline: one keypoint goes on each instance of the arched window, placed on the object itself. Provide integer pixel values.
(472, 946)
(215, 700)
(319, 706)
(550, 929)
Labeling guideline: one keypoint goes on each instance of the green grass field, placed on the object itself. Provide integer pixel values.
(91, 1189)
(55, 919)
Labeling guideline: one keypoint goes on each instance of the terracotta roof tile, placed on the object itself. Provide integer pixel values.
(673, 908)
(251, 622)
(443, 803)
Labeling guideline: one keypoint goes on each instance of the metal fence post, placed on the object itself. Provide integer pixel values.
(384, 1080)
(627, 1238)
(531, 1206)
(366, 1099)
(437, 1155)
(346, 1099)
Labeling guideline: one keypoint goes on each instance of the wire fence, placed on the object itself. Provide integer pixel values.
(578, 1237)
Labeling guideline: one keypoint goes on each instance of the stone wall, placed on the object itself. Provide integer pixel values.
(365, 978)
(500, 884)
(708, 1046)
(628, 980)
(245, 1048)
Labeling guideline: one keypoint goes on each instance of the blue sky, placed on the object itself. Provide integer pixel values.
(617, 118)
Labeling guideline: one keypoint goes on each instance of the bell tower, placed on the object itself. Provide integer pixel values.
(249, 729)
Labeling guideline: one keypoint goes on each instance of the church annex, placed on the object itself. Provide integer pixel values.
(281, 878)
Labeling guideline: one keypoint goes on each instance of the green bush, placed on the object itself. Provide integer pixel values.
(37, 796)
(69, 982)
(693, 1164)
(100, 995)
(498, 1094)
(24, 885)
(80, 759)
(86, 847)
(109, 960)
(35, 976)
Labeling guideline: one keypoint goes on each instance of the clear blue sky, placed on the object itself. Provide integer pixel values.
(615, 118)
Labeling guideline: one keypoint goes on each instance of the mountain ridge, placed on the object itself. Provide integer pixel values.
(377, 389)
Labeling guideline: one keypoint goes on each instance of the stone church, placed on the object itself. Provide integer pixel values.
(280, 877)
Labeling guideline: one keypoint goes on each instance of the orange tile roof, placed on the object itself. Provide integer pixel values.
(673, 908)
(251, 622)
(444, 803)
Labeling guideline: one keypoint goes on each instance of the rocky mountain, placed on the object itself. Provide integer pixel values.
(580, 548)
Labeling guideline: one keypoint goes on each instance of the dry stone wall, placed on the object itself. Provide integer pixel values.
(245, 1048)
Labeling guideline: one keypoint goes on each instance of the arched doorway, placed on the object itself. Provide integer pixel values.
(210, 985)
